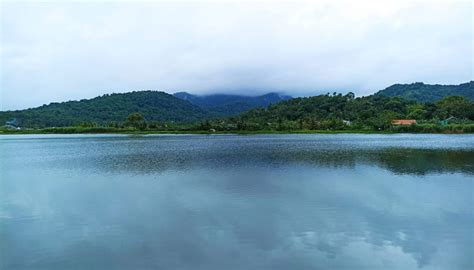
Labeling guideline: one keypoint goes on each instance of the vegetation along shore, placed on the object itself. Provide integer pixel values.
(398, 108)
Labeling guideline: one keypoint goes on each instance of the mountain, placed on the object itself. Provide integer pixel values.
(153, 105)
(227, 105)
(428, 92)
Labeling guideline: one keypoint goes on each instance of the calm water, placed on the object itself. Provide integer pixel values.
(237, 202)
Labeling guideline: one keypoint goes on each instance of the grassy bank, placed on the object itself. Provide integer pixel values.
(73, 130)
(423, 128)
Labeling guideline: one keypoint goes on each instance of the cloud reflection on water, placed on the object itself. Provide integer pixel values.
(267, 208)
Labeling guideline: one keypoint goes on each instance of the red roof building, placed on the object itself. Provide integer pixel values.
(403, 122)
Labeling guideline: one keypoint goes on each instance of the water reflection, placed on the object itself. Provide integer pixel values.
(425, 154)
(218, 204)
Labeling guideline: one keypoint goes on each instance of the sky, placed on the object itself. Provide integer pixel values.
(59, 51)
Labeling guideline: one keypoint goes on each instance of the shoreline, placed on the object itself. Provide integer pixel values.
(205, 132)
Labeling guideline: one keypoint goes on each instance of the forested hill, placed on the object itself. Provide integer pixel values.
(227, 105)
(337, 111)
(153, 105)
(428, 92)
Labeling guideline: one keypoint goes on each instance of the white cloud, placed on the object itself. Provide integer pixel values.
(54, 51)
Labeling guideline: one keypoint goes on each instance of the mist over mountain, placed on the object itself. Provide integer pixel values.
(226, 105)
(155, 106)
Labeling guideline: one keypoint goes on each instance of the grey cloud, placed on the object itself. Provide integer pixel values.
(56, 51)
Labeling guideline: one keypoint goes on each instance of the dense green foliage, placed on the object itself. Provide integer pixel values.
(428, 93)
(228, 105)
(109, 110)
(340, 112)
(151, 111)
(155, 107)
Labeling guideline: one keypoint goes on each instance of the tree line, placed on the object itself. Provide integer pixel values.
(333, 112)
(342, 112)
(324, 112)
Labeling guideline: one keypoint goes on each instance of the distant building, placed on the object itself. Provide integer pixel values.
(347, 122)
(403, 122)
(446, 121)
(11, 124)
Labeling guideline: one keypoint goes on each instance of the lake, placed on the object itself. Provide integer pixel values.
(302, 201)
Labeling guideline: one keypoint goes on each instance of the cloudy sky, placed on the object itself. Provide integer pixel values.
(53, 51)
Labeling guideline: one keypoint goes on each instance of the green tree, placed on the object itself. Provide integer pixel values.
(206, 125)
(416, 111)
(136, 120)
(456, 106)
